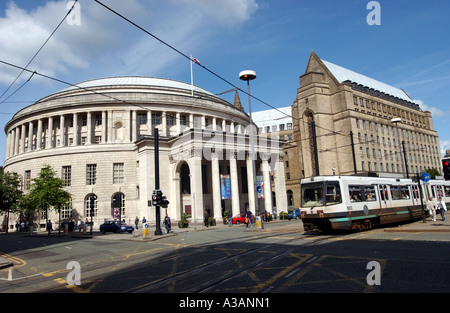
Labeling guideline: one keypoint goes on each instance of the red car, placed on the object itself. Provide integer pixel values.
(240, 218)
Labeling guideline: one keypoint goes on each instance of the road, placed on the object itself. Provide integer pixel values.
(281, 258)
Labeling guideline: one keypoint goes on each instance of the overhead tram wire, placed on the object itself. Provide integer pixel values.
(179, 52)
(34, 56)
(89, 89)
(204, 67)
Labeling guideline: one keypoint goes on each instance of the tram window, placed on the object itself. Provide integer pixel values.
(312, 195)
(384, 193)
(415, 192)
(440, 192)
(405, 192)
(447, 191)
(396, 193)
(333, 193)
(354, 193)
(369, 192)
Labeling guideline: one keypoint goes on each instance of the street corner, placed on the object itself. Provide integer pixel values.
(4, 263)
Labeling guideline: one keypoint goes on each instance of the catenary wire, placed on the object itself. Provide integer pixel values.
(34, 56)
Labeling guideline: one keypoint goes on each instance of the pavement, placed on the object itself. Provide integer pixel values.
(417, 226)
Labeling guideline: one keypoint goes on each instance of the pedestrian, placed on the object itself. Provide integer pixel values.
(230, 219)
(206, 218)
(442, 208)
(144, 220)
(79, 225)
(136, 222)
(167, 224)
(431, 206)
(49, 227)
(249, 218)
(17, 227)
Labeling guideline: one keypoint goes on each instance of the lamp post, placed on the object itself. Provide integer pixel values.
(396, 121)
(249, 75)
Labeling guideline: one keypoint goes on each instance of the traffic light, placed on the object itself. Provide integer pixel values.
(446, 168)
(157, 197)
(164, 202)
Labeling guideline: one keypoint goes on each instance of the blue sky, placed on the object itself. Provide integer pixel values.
(409, 50)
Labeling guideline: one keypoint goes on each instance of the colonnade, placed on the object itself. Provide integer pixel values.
(106, 126)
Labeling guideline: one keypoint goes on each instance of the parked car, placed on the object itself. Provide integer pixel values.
(240, 218)
(293, 214)
(114, 226)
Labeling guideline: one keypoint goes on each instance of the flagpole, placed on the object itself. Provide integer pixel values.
(192, 77)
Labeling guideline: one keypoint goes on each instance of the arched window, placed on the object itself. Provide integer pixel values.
(290, 198)
(118, 203)
(90, 205)
(185, 179)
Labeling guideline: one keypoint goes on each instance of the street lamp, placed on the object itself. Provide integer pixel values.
(249, 75)
(396, 121)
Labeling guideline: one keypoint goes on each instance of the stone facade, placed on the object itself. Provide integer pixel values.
(340, 103)
(99, 137)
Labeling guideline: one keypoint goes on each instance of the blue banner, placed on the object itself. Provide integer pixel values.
(225, 186)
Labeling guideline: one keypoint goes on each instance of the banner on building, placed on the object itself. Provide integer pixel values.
(225, 186)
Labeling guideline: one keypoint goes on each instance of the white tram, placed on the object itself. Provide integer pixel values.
(358, 203)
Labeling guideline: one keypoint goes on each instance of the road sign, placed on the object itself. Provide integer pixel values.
(425, 177)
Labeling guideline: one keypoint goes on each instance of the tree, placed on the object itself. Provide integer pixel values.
(10, 193)
(433, 172)
(47, 191)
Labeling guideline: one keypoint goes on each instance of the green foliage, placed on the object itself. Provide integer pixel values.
(433, 172)
(10, 193)
(184, 222)
(47, 191)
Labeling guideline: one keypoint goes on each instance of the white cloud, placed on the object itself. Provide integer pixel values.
(226, 12)
(435, 112)
(103, 38)
(445, 145)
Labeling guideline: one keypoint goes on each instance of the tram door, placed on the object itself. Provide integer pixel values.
(384, 197)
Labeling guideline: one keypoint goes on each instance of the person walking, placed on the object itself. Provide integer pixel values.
(249, 218)
(49, 227)
(136, 222)
(167, 224)
(431, 206)
(230, 218)
(442, 207)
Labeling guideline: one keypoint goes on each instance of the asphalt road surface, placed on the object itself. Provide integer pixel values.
(279, 259)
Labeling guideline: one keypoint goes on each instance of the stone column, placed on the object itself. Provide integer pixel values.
(164, 123)
(109, 134)
(61, 131)
(191, 121)
(178, 121)
(30, 136)
(39, 135)
(134, 126)
(50, 133)
(149, 122)
(104, 125)
(251, 183)
(280, 185)
(75, 129)
(267, 185)
(10, 145)
(22, 138)
(234, 183)
(195, 167)
(215, 178)
(89, 128)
